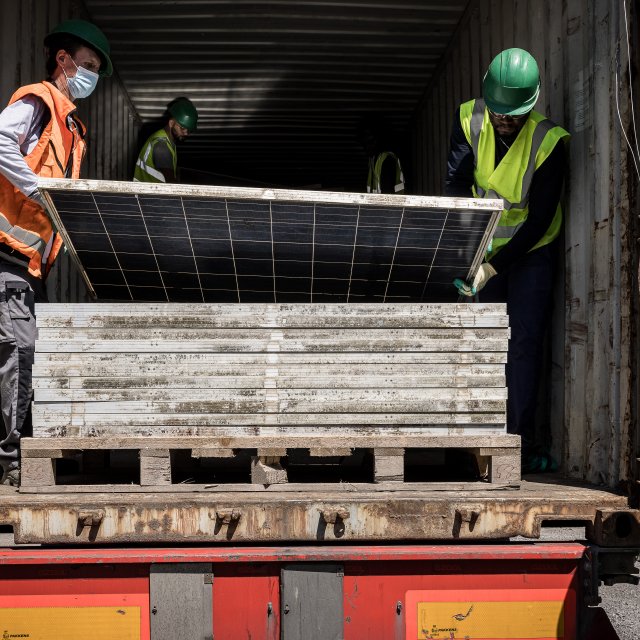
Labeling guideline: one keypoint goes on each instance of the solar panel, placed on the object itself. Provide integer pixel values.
(184, 243)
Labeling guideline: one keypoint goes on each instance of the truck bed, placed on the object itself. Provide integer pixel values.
(304, 513)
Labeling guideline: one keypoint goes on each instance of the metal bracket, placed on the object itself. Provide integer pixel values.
(467, 515)
(227, 516)
(608, 566)
(90, 518)
(463, 515)
(331, 516)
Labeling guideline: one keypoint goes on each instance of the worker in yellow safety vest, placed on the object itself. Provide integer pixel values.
(158, 159)
(385, 171)
(40, 136)
(502, 148)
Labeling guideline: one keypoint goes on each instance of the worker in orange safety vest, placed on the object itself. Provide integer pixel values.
(40, 136)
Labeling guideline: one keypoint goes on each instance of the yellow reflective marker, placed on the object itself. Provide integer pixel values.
(491, 620)
(70, 623)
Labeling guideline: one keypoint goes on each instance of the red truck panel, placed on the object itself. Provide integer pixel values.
(389, 592)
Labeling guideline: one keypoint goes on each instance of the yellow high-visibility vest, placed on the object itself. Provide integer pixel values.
(145, 170)
(375, 172)
(511, 179)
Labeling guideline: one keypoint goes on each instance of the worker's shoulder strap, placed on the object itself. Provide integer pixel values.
(546, 136)
(159, 135)
(50, 95)
(383, 156)
(471, 120)
(399, 175)
(152, 140)
(38, 89)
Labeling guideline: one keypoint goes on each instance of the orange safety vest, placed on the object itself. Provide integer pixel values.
(24, 225)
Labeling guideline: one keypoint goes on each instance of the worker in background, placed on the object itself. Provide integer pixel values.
(385, 172)
(40, 135)
(158, 159)
(502, 148)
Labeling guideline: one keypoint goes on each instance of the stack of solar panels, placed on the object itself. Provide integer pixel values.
(268, 320)
(242, 369)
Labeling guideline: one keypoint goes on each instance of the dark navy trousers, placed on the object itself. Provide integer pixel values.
(526, 287)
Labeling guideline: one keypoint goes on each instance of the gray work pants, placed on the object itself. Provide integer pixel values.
(18, 292)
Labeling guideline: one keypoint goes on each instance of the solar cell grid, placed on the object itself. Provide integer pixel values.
(192, 244)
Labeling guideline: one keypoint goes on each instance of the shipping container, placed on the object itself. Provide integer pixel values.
(281, 87)
(280, 92)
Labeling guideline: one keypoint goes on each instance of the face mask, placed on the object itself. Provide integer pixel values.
(83, 83)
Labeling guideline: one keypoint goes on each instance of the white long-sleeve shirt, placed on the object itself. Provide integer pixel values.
(21, 125)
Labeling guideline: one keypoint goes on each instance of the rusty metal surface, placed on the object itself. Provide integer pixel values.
(613, 528)
(313, 516)
(283, 553)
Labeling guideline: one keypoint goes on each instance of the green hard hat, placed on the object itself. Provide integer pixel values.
(91, 36)
(184, 113)
(511, 85)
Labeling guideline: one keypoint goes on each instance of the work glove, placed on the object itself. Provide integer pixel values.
(484, 274)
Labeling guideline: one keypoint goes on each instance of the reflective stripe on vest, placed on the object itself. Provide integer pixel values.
(477, 118)
(512, 180)
(145, 170)
(375, 173)
(24, 226)
(29, 238)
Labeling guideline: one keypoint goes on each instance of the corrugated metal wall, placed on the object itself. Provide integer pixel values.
(111, 119)
(580, 45)
(279, 84)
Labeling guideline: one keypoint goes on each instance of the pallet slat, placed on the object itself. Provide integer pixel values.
(289, 488)
(31, 445)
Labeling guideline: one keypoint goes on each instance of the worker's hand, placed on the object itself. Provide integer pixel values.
(484, 274)
(463, 288)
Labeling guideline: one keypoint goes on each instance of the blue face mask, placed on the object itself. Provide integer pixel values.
(83, 83)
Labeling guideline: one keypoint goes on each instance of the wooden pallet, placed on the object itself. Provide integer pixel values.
(498, 459)
(165, 370)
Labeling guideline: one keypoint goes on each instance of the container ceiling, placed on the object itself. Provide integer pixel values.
(279, 85)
